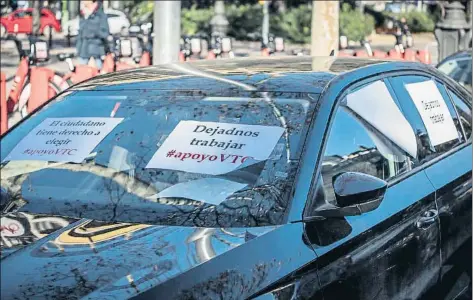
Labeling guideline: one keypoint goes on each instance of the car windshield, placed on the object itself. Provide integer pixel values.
(158, 157)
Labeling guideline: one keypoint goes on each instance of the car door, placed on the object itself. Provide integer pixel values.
(449, 166)
(392, 252)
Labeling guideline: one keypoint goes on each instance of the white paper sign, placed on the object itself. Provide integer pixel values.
(207, 190)
(376, 106)
(433, 111)
(63, 139)
(214, 148)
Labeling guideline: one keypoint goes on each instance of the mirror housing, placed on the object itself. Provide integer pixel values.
(353, 188)
(356, 193)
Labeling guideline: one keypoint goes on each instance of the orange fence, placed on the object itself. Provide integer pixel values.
(408, 55)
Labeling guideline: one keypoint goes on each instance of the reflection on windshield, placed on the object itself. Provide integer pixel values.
(112, 184)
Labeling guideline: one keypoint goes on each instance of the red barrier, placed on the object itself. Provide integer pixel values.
(40, 89)
(18, 82)
(145, 59)
(83, 72)
(344, 54)
(379, 54)
(361, 53)
(108, 64)
(393, 54)
(3, 104)
(423, 56)
(410, 55)
(123, 66)
(211, 55)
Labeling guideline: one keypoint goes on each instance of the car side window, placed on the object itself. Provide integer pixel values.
(459, 70)
(359, 143)
(416, 96)
(464, 112)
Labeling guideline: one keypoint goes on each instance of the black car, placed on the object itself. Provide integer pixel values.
(287, 178)
(458, 66)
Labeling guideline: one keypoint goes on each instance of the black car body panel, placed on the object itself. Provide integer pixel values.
(66, 248)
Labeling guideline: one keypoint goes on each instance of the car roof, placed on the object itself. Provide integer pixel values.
(283, 74)
(457, 55)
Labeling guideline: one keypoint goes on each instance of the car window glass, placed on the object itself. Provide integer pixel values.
(426, 149)
(459, 70)
(451, 109)
(355, 145)
(257, 193)
(464, 112)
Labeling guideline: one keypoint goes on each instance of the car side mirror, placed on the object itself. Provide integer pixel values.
(355, 193)
(353, 188)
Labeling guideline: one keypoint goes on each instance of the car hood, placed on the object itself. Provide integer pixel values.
(52, 257)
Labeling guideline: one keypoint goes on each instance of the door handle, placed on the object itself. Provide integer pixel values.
(428, 218)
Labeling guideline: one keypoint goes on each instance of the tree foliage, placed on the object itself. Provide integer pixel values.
(355, 25)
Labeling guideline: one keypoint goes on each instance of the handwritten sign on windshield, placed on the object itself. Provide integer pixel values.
(214, 148)
(63, 139)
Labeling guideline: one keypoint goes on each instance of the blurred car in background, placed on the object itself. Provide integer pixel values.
(117, 21)
(458, 66)
(21, 21)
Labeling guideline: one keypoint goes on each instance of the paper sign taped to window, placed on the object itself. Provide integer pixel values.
(433, 111)
(375, 105)
(214, 148)
(63, 139)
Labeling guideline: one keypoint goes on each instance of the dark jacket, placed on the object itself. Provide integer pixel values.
(93, 33)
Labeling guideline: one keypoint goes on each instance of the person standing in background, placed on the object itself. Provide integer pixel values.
(93, 33)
